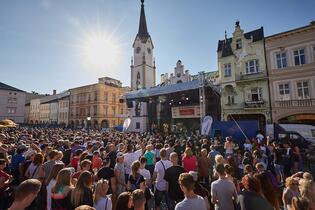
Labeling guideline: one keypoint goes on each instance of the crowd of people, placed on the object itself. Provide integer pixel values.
(59, 169)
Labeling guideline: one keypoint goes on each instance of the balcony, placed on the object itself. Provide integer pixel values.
(254, 104)
(295, 103)
(254, 76)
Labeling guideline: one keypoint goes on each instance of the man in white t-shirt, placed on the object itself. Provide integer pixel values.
(158, 177)
(130, 157)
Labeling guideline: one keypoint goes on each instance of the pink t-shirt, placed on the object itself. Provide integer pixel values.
(189, 164)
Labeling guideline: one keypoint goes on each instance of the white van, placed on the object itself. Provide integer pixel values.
(306, 131)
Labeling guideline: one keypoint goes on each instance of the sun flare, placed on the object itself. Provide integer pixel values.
(100, 51)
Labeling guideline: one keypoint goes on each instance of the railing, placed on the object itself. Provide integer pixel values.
(254, 104)
(257, 75)
(295, 103)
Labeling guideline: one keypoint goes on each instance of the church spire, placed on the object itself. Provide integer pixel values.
(143, 30)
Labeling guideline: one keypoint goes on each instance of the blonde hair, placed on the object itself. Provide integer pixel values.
(219, 159)
(290, 182)
(307, 189)
(99, 191)
(188, 152)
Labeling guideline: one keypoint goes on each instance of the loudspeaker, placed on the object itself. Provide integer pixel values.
(129, 104)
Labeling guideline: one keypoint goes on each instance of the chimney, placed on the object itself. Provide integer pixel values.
(54, 92)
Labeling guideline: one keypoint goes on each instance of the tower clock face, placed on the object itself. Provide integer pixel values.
(149, 50)
(138, 50)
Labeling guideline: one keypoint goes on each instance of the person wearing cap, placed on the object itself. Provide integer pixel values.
(120, 173)
(108, 173)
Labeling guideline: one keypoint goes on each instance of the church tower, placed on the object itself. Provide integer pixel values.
(142, 63)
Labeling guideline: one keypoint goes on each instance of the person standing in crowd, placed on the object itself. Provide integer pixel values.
(108, 173)
(138, 200)
(191, 200)
(189, 160)
(291, 191)
(16, 164)
(5, 180)
(119, 171)
(251, 198)
(158, 176)
(82, 193)
(204, 168)
(135, 180)
(49, 164)
(223, 191)
(61, 192)
(229, 146)
(200, 190)
(85, 165)
(51, 182)
(267, 189)
(129, 157)
(175, 195)
(25, 193)
(149, 155)
(101, 200)
(124, 201)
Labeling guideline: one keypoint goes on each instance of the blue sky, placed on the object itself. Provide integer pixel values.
(41, 40)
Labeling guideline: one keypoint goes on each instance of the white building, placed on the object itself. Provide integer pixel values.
(179, 76)
(63, 108)
(12, 103)
(142, 73)
(34, 116)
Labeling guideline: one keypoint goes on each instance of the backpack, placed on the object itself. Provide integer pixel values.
(136, 184)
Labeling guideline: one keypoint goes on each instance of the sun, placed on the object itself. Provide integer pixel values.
(100, 51)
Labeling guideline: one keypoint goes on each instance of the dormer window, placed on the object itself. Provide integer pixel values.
(138, 50)
(239, 44)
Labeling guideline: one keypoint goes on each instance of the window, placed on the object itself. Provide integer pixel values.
(227, 70)
(11, 110)
(255, 94)
(114, 110)
(238, 43)
(106, 97)
(252, 66)
(138, 50)
(284, 89)
(95, 96)
(106, 110)
(114, 98)
(12, 100)
(230, 100)
(299, 57)
(281, 60)
(95, 109)
(302, 88)
(137, 125)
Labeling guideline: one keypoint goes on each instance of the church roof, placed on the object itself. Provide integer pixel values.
(8, 87)
(143, 33)
(225, 45)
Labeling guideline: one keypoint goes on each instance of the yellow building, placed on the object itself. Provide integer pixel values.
(243, 76)
(100, 102)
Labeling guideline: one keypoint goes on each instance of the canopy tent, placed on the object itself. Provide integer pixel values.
(7, 124)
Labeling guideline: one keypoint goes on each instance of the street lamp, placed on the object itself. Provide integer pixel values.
(88, 119)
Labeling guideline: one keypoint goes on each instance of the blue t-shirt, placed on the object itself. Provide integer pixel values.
(17, 159)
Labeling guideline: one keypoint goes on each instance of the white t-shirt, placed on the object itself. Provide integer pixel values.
(145, 173)
(100, 205)
(129, 158)
(159, 169)
(49, 187)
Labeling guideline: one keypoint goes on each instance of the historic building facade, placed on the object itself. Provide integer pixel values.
(291, 67)
(63, 108)
(142, 73)
(12, 103)
(100, 102)
(243, 76)
(180, 75)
